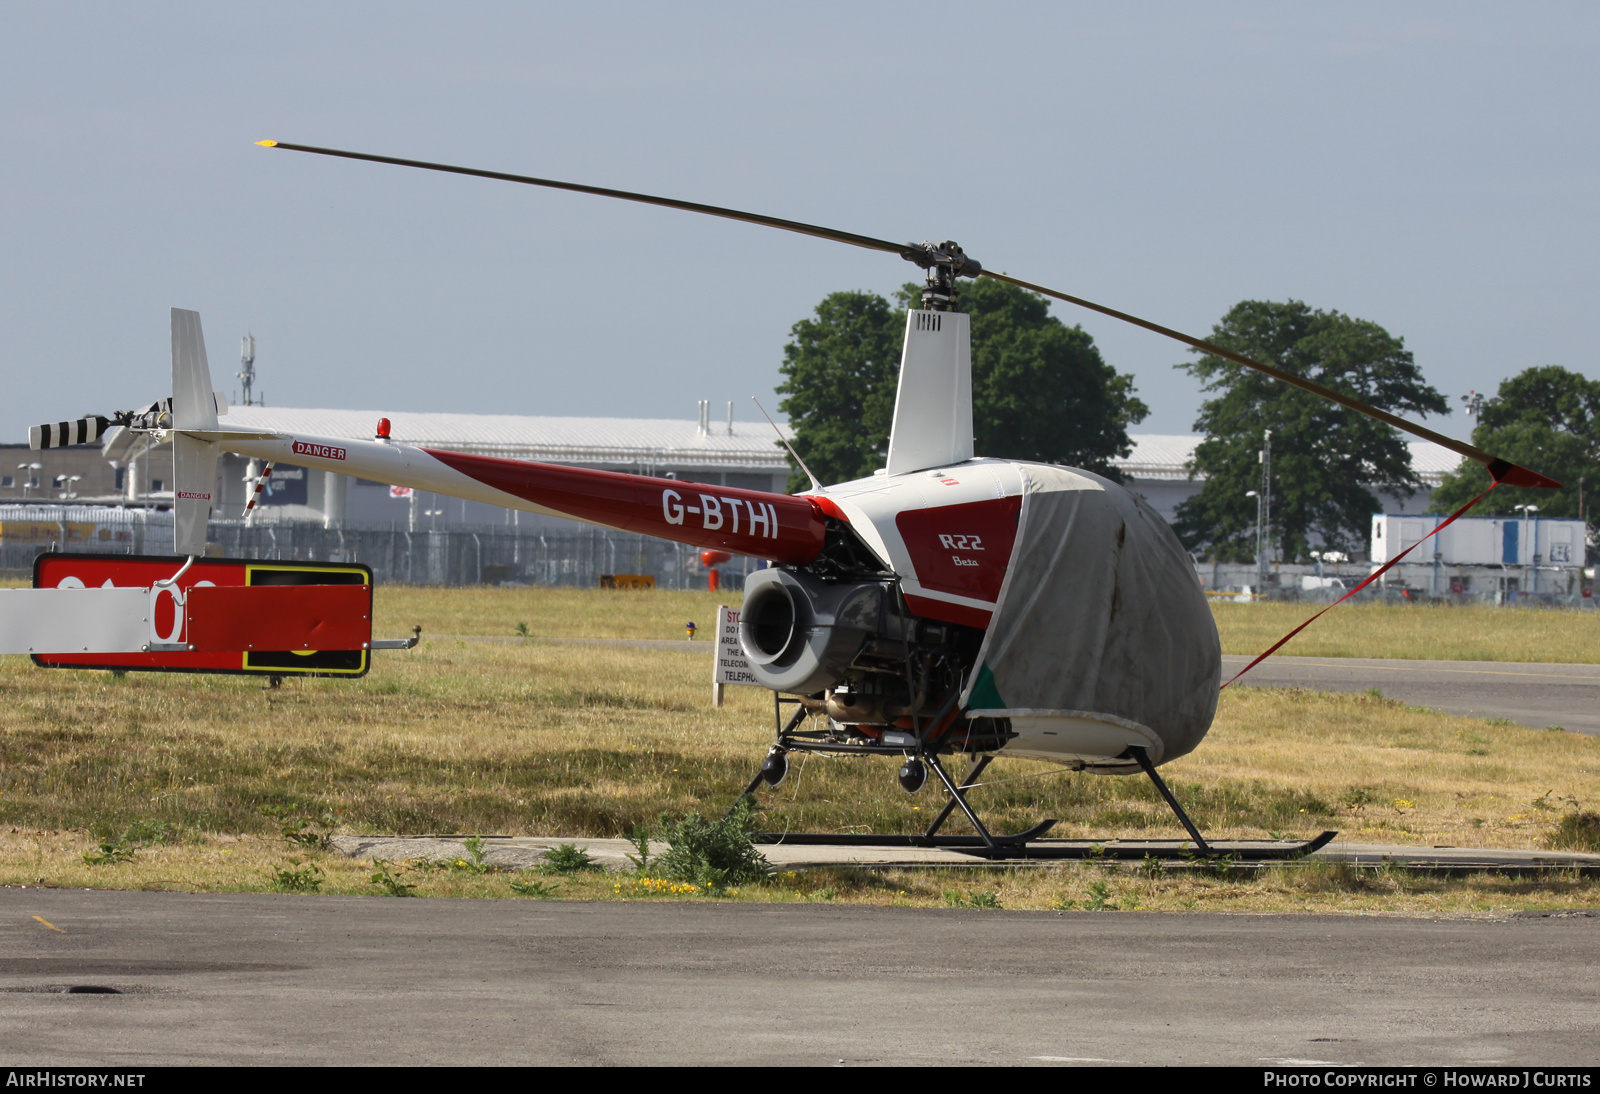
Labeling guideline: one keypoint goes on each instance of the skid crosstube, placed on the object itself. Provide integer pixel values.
(1019, 847)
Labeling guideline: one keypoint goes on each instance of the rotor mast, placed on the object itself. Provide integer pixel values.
(944, 262)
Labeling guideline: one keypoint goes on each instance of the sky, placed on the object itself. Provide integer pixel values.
(1430, 167)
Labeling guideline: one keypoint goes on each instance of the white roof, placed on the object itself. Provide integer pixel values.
(1159, 455)
(1167, 455)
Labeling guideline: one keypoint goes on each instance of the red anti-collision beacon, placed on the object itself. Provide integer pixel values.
(383, 429)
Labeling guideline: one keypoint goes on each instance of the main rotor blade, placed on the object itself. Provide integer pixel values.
(904, 250)
(1501, 470)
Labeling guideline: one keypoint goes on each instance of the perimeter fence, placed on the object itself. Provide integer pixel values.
(579, 556)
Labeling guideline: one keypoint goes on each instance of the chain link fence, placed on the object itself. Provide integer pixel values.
(498, 555)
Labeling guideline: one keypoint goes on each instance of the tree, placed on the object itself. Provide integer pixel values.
(1326, 460)
(1547, 419)
(1040, 389)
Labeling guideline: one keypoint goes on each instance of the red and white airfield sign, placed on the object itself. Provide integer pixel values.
(125, 612)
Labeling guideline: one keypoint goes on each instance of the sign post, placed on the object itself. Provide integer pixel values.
(729, 665)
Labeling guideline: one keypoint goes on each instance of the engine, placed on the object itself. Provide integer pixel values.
(851, 648)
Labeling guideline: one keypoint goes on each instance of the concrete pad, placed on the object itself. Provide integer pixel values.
(527, 852)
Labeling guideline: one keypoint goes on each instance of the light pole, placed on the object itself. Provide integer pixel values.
(1264, 505)
(27, 479)
(1260, 565)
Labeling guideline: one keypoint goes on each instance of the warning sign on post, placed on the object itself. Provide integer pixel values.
(730, 666)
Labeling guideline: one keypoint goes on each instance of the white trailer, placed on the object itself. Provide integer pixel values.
(1480, 541)
(1480, 556)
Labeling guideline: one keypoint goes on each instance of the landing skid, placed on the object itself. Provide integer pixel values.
(867, 839)
(1238, 851)
(1019, 845)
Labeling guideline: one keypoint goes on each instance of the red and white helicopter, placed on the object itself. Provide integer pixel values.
(948, 604)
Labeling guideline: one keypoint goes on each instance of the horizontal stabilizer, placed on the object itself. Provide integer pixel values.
(233, 435)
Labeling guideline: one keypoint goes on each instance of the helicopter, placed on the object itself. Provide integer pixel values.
(948, 605)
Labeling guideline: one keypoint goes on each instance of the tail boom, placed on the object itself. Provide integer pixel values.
(781, 527)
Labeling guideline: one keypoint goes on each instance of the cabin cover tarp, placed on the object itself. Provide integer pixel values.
(1101, 618)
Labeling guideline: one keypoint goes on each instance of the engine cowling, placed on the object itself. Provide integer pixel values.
(800, 633)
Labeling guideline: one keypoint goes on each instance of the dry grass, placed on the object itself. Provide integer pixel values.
(534, 738)
(1405, 631)
(1415, 631)
(551, 739)
(549, 612)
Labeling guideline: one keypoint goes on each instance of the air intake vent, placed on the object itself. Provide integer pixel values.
(928, 320)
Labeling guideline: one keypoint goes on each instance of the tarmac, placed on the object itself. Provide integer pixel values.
(1540, 696)
(207, 979)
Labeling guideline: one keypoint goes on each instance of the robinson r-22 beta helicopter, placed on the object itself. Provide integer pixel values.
(949, 604)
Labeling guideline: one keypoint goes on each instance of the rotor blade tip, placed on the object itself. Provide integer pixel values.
(268, 144)
(1504, 471)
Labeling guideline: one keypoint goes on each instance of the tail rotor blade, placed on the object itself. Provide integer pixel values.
(61, 434)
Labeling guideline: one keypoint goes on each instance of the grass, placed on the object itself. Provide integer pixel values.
(218, 783)
(1405, 631)
(534, 612)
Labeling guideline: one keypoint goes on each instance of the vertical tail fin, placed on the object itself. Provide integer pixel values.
(194, 461)
(193, 404)
(933, 407)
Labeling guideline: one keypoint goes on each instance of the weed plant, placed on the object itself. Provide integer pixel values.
(568, 858)
(973, 898)
(1577, 831)
(109, 852)
(713, 853)
(391, 878)
(297, 876)
(473, 865)
(312, 833)
(639, 836)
